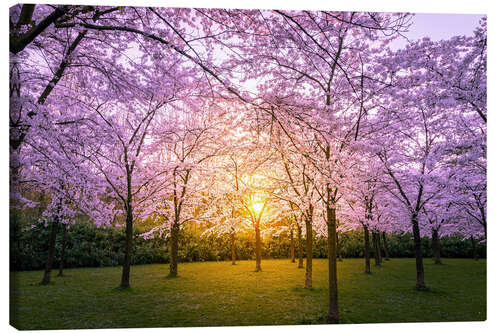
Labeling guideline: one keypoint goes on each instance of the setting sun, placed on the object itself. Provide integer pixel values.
(256, 203)
(257, 206)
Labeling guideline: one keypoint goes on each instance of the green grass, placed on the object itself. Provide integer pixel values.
(217, 293)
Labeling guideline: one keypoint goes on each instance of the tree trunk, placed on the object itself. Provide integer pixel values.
(474, 249)
(418, 254)
(292, 246)
(61, 262)
(301, 252)
(339, 252)
(50, 254)
(386, 251)
(233, 250)
(258, 249)
(379, 247)
(127, 259)
(436, 247)
(308, 281)
(375, 249)
(367, 249)
(174, 249)
(333, 308)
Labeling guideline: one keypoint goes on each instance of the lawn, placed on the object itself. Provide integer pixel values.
(217, 293)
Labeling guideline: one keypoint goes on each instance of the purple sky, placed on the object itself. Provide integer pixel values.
(439, 26)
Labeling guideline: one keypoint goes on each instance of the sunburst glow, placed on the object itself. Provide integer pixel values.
(256, 203)
(257, 206)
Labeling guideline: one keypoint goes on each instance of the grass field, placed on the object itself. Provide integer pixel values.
(217, 293)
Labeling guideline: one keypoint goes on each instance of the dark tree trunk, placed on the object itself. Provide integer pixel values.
(333, 304)
(50, 255)
(174, 249)
(258, 250)
(308, 281)
(386, 248)
(375, 249)
(41, 205)
(436, 247)
(484, 226)
(367, 249)
(127, 259)
(61, 262)
(474, 248)
(26, 15)
(233, 250)
(18, 43)
(292, 246)
(418, 254)
(379, 247)
(339, 251)
(301, 252)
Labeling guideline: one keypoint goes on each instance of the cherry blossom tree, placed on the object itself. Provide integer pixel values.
(181, 159)
(413, 162)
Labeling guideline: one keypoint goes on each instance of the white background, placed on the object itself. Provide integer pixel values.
(419, 6)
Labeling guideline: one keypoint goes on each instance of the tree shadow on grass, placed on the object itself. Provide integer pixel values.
(307, 291)
(40, 284)
(123, 289)
(63, 276)
(426, 289)
(429, 290)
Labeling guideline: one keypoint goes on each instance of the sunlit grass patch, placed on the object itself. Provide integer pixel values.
(218, 293)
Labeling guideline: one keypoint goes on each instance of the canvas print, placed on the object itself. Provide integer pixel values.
(232, 167)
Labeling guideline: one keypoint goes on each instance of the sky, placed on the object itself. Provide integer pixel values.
(439, 26)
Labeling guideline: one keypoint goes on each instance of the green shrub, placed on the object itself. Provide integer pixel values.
(90, 246)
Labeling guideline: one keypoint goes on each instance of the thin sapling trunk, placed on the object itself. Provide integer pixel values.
(301, 252)
(258, 249)
(233, 250)
(436, 247)
(333, 304)
(174, 248)
(61, 262)
(386, 248)
(367, 249)
(308, 281)
(417, 242)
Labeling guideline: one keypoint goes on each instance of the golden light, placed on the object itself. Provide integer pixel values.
(257, 203)
(257, 206)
